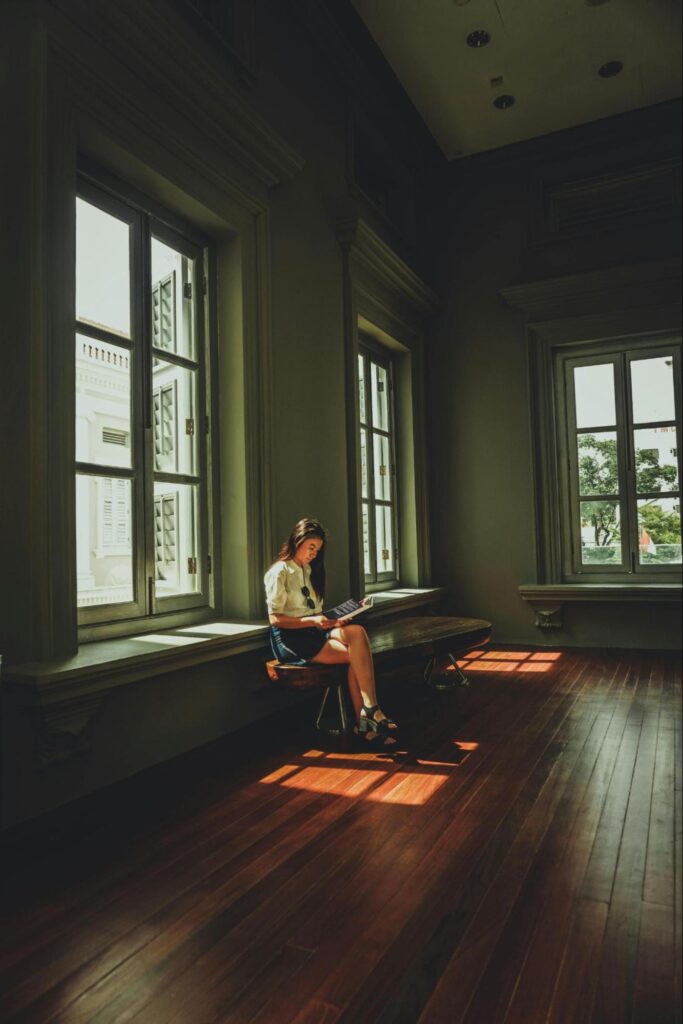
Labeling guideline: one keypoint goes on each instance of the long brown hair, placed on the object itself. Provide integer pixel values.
(304, 529)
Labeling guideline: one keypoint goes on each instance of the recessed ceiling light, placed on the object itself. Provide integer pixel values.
(610, 69)
(503, 102)
(478, 38)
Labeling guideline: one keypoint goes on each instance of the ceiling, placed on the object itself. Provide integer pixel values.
(547, 53)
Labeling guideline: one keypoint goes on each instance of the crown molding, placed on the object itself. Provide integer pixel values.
(149, 43)
(637, 284)
(371, 255)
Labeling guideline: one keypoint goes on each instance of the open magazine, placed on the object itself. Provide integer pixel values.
(349, 609)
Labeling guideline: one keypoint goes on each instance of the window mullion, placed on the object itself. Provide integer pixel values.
(370, 444)
(146, 463)
(626, 466)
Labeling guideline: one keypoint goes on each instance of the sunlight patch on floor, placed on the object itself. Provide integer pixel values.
(507, 661)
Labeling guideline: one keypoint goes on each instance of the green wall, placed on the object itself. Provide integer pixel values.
(492, 236)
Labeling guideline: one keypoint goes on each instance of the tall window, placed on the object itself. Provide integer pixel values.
(378, 465)
(141, 444)
(620, 439)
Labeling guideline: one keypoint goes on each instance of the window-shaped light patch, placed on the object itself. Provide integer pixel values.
(103, 428)
(380, 396)
(656, 451)
(600, 532)
(382, 464)
(174, 398)
(652, 390)
(659, 531)
(597, 462)
(594, 396)
(177, 569)
(385, 540)
(104, 550)
(172, 300)
(102, 269)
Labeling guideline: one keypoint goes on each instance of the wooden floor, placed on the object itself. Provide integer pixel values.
(519, 862)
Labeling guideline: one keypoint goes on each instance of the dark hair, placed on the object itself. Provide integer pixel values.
(304, 529)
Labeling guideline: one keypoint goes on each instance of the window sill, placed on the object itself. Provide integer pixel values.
(66, 694)
(548, 600)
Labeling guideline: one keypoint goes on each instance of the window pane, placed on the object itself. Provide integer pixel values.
(382, 467)
(364, 463)
(385, 547)
(656, 459)
(600, 532)
(659, 531)
(597, 460)
(652, 386)
(102, 269)
(594, 395)
(175, 539)
(172, 300)
(103, 433)
(366, 541)
(103, 540)
(380, 397)
(361, 387)
(175, 426)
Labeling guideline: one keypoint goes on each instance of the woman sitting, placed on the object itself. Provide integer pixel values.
(301, 633)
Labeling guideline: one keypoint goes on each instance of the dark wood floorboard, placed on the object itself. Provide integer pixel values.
(517, 861)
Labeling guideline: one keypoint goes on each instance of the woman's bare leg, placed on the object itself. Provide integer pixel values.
(350, 643)
(354, 691)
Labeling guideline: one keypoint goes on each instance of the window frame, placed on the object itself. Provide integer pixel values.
(620, 352)
(146, 608)
(371, 352)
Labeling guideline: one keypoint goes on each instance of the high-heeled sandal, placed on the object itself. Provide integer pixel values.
(382, 726)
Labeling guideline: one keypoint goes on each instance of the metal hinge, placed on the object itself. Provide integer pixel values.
(208, 563)
(189, 427)
(385, 554)
(205, 286)
(192, 566)
(187, 290)
(380, 385)
(382, 470)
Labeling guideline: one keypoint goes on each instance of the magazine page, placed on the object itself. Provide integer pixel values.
(349, 609)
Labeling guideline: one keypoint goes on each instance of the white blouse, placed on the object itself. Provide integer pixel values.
(283, 583)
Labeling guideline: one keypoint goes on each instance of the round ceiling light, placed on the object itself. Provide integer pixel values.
(503, 102)
(478, 38)
(611, 68)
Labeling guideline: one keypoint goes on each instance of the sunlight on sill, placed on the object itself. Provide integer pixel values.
(223, 628)
(171, 640)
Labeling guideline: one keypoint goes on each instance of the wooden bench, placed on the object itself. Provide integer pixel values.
(422, 636)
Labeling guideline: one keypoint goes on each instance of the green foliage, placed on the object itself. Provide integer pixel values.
(650, 476)
(599, 474)
(662, 527)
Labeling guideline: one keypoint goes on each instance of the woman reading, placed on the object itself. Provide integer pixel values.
(301, 633)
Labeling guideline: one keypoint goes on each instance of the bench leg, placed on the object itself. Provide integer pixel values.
(459, 674)
(444, 683)
(344, 724)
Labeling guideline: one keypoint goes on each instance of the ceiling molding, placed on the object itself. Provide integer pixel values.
(372, 255)
(636, 284)
(156, 52)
